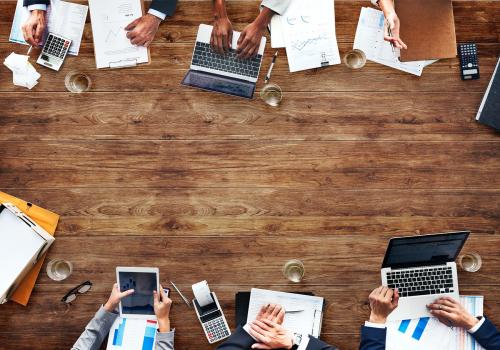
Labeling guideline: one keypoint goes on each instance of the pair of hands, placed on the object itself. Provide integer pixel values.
(267, 329)
(162, 304)
(450, 312)
(141, 32)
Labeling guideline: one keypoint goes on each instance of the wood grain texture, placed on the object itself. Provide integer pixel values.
(146, 172)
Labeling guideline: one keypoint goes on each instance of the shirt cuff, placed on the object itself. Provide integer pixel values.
(477, 326)
(374, 2)
(158, 14)
(246, 328)
(374, 325)
(166, 336)
(304, 342)
(42, 7)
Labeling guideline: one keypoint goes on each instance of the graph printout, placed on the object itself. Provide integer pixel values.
(132, 334)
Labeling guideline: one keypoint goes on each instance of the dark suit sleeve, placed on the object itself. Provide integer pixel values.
(164, 6)
(488, 336)
(239, 340)
(316, 344)
(36, 2)
(372, 338)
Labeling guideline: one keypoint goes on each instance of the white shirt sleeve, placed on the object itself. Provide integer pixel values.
(304, 342)
(477, 326)
(42, 7)
(374, 2)
(158, 14)
(374, 325)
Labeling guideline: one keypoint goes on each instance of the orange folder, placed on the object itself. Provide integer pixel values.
(43, 217)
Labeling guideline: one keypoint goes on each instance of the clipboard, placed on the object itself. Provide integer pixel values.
(99, 26)
(48, 221)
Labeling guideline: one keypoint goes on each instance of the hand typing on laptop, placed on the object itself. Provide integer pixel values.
(383, 301)
(452, 313)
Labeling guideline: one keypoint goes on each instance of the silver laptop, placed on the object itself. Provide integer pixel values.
(224, 73)
(423, 269)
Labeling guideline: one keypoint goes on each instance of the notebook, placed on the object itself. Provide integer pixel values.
(304, 313)
(427, 28)
(489, 110)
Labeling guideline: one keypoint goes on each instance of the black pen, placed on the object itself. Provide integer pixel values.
(268, 75)
(389, 31)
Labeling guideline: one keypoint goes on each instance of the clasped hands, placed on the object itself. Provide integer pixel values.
(268, 331)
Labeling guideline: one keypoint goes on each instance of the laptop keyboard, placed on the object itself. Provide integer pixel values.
(205, 56)
(421, 281)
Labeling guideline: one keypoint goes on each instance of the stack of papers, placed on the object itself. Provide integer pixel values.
(131, 333)
(307, 30)
(24, 74)
(427, 333)
(65, 19)
(370, 39)
(304, 313)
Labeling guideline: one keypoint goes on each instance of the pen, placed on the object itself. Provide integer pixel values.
(182, 296)
(268, 75)
(29, 50)
(292, 311)
(389, 31)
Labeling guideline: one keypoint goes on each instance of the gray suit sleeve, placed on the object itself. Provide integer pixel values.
(278, 6)
(95, 332)
(165, 341)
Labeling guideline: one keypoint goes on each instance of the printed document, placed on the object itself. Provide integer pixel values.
(112, 47)
(307, 30)
(64, 18)
(130, 333)
(304, 313)
(370, 39)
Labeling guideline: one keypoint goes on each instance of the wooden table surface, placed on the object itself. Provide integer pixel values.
(146, 172)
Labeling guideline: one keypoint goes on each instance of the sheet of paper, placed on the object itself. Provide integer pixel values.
(23, 72)
(428, 333)
(370, 39)
(112, 47)
(64, 18)
(276, 29)
(309, 34)
(308, 309)
(129, 333)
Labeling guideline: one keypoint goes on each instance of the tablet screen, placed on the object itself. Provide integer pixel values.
(141, 301)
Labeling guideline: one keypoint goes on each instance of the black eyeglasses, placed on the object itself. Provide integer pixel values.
(80, 289)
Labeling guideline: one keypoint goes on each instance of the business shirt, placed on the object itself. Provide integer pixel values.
(158, 8)
(278, 6)
(484, 332)
(98, 328)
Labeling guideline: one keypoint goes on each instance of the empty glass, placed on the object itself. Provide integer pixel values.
(59, 269)
(271, 94)
(77, 82)
(294, 270)
(470, 262)
(355, 59)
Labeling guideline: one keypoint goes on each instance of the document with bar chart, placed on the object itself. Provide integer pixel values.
(427, 333)
(132, 334)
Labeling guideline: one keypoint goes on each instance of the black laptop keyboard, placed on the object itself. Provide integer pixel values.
(205, 56)
(421, 281)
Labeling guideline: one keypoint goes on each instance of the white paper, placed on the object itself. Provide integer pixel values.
(112, 47)
(435, 335)
(307, 321)
(64, 18)
(202, 293)
(23, 72)
(370, 39)
(132, 334)
(276, 29)
(309, 34)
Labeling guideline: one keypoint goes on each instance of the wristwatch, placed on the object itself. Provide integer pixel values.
(297, 339)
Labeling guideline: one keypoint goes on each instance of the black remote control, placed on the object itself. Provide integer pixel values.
(469, 67)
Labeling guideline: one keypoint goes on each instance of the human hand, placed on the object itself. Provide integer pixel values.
(141, 32)
(34, 27)
(383, 301)
(451, 313)
(115, 297)
(249, 41)
(271, 312)
(270, 335)
(392, 23)
(162, 304)
(222, 34)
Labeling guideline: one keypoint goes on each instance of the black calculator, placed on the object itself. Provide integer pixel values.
(469, 67)
(54, 51)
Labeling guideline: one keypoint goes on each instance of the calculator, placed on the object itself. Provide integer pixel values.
(469, 68)
(212, 320)
(54, 51)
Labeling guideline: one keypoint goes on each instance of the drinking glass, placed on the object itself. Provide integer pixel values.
(271, 94)
(77, 82)
(470, 262)
(355, 59)
(59, 269)
(294, 270)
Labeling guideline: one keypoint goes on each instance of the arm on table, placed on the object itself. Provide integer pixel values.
(487, 335)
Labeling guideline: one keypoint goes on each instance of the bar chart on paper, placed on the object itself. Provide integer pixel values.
(132, 334)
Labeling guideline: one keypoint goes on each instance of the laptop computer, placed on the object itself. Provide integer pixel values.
(423, 269)
(224, 73)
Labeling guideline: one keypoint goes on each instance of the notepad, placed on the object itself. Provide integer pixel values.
(489, 110)
(304, 313)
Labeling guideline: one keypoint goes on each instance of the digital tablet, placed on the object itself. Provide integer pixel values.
(144, 280)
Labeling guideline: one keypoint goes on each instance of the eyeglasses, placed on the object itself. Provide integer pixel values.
(80, 289)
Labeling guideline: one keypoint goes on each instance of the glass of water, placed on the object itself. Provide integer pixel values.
(271, 94)
(59, 269)
(294, 270)
(355, 59)
(77, 82)
(470, 262)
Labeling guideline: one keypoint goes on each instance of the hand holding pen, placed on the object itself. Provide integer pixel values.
(391, 32)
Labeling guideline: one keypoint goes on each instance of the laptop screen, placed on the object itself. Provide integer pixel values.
(424, 250)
